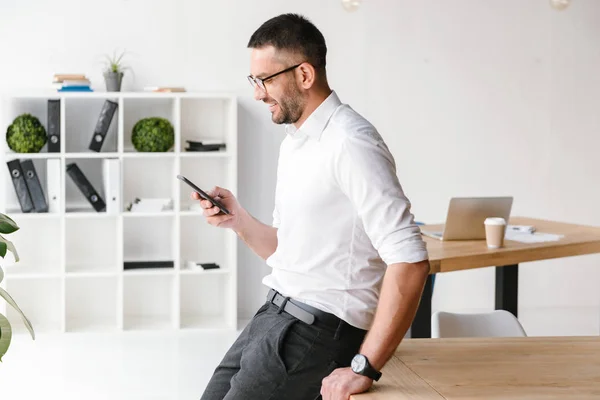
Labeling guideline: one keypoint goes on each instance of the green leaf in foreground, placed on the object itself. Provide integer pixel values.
(7, 225)
(10, 301)
(7, 245)
(5, 335)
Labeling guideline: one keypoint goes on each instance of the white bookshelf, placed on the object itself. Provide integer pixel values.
(71, 276)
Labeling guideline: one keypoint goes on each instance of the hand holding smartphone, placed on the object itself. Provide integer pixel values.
(203, 195)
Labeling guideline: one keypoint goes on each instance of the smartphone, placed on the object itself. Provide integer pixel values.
(204, 195)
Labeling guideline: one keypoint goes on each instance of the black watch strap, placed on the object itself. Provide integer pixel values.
(372, 373)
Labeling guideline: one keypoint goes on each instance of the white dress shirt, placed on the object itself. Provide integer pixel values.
(341, 215)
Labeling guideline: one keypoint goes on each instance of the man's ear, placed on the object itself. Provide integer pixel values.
(307, 75)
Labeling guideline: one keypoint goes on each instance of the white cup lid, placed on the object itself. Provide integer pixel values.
(495, 221)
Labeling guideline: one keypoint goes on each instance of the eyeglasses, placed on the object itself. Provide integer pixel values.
(260, 82)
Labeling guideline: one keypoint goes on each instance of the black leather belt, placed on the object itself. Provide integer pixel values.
(303, 312)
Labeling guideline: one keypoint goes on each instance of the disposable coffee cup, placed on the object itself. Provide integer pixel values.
(495, 228)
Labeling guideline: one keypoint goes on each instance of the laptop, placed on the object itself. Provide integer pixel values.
(466, 216)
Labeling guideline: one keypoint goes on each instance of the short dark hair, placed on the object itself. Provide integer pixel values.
(294, 33)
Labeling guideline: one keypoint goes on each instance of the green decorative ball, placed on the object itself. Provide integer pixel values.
(26, 134)
(153, 135)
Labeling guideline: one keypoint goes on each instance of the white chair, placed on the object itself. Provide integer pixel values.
(499, 323)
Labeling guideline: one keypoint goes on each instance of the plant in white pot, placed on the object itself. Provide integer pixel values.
(8, 226)
(114, 71)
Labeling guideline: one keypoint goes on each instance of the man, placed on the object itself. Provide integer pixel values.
(346, 254)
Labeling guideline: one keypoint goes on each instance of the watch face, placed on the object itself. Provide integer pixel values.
(359, 362)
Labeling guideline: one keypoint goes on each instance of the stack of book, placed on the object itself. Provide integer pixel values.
(71, 83)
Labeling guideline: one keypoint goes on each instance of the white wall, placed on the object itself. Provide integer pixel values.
(474, 98)
(495, 98)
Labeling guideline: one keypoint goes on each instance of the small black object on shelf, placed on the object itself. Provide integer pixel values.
(147, 264)
(203, 146)
(192, 265)
(209, 265)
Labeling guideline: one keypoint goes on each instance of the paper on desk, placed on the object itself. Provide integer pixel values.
(537, 237)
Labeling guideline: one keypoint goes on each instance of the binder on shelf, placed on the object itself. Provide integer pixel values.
(112, 184)
(53, 126)
(104, 120)
(53, 184)
(18, 179)
(86, 187)
(34, 185)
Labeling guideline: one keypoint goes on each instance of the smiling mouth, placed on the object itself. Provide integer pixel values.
(272, 107)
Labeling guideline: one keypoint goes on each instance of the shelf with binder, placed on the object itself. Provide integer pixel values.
(39, 244)
(91, 304)
(84, 186)
(148, 302)
(35, 106)
(205, 302)
(35, 185)
(40, 299)
(91, 245)
(207, 123)
(136, 109)
(91, 125)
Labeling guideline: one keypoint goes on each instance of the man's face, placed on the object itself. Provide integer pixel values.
(283, 96)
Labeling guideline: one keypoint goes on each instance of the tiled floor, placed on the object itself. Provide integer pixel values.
(153, 366)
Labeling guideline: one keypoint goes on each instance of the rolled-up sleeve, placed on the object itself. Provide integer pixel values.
(366, 173)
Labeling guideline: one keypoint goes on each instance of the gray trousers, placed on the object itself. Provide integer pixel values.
(278, 356)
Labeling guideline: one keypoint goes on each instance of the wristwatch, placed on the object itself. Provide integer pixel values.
(360, 365)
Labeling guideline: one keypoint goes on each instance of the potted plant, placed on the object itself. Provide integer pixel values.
(8, 226)
(26, 134)
(153, 134)
(114, 71)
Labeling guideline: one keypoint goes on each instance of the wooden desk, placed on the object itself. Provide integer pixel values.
(468, 254)
(491, 368)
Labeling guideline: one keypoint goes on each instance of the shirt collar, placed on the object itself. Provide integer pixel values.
(317, 121)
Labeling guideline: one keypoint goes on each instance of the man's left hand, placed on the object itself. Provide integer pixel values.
(342, 383)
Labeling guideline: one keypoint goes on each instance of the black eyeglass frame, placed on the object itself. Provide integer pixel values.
(260, 82)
